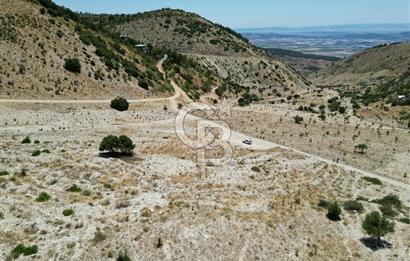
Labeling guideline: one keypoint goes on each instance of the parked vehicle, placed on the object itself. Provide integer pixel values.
(247, 141)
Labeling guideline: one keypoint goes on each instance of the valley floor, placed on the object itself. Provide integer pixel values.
(160, 205)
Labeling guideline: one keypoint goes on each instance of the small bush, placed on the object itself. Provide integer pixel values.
(374, 181)
(24, 250)
(120, 104)
(389, 205)
(256, 169)
(1, 215)
(26, 140)
(353, 205)
(121, 145)
(43, 197)
(334, 211)
(99, 236)
(144, 85)
(74, 189)
(73, 65)
(405, 220)
(36, 153)
(123, 257)
(4, 173)
(298, 119)
(68, 212)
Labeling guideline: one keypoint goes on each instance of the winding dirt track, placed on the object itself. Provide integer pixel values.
(236, 137)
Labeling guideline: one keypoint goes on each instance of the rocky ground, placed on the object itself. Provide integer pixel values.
(160, 205)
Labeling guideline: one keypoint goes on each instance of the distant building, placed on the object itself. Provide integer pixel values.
(401, 97)
(144, 47)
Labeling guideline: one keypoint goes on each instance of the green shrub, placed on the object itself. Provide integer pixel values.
(389, 205)
(36, 153)
(298, 119)
(144, 85)
(353, 205)
(123, 257)
(4, 173)
(72, 65)
(121, 145)
(334, 211)
(26, 140)
(21, 249)
(74, 189)
(374, 181)
(405, 220)
(1, 215)
(256, 169)
(68, 212)
(43, 197)
(120, 104)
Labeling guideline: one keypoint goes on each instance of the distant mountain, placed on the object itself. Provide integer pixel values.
(353, 28)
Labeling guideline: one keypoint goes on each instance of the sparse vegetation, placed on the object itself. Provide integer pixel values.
(21, 249)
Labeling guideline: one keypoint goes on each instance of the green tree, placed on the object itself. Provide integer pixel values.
(120, 104)
(121, 145)
(376, 225)
(334, 211)
(73, 65)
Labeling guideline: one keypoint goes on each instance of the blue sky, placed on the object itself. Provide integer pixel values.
(264, 13)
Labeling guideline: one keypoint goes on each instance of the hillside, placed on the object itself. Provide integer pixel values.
(303, 63)
(44, 36)
(217, 48)
(372, 66)
(377, 74)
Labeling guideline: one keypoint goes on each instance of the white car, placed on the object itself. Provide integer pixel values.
(247, 142)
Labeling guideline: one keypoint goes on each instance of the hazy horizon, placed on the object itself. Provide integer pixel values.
(265, 13)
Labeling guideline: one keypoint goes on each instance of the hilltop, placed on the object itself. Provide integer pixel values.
(177, 30)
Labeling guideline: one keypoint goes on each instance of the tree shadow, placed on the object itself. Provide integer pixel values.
(116, 155)
(374, 245)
